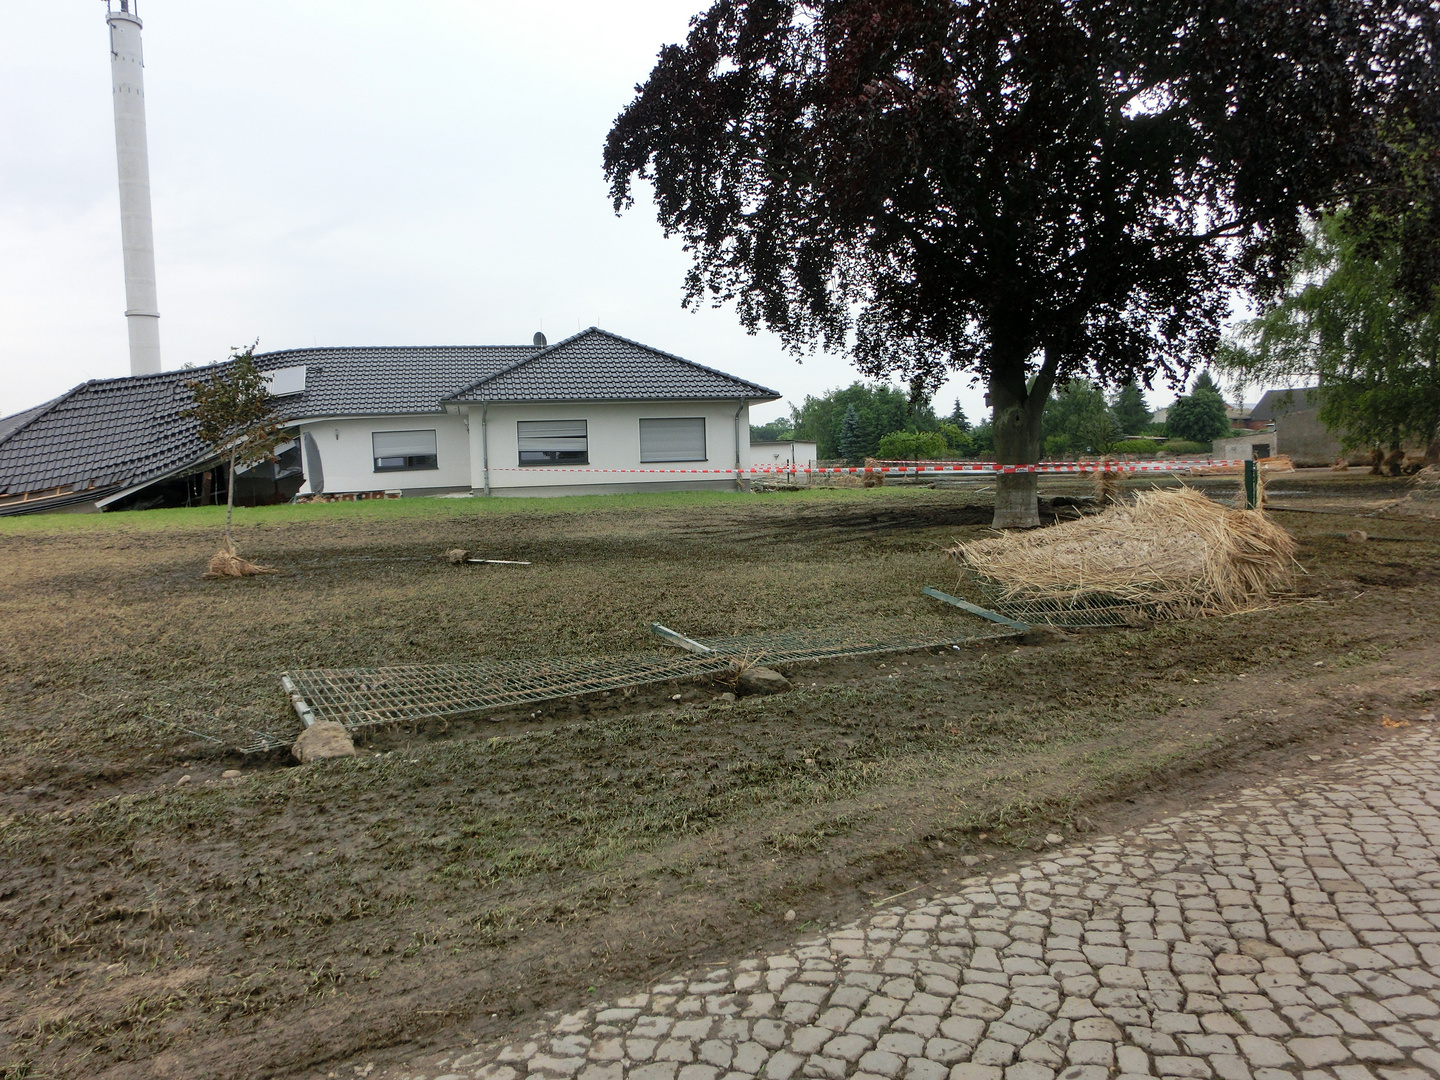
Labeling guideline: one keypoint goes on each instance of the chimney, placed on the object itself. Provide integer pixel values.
(127, 78)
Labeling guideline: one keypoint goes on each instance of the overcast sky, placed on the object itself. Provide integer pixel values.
(347, 173)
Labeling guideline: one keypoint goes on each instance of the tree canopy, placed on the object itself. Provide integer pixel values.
(879, 410)
(1032, 190)
(1351, 319)
(1201, 416)
(1078, 421)
(1131, 413)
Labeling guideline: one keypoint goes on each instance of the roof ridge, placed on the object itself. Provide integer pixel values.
(617, 337)
(522, 361)
(681, 359)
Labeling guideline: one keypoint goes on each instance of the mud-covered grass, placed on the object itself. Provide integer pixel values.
(466, 874)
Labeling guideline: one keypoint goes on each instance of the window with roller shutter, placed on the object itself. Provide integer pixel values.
(673, 439)
(398, 451)
(553, 442)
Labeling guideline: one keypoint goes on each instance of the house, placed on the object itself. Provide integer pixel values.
(593, 413)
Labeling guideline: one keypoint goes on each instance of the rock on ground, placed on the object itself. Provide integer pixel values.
(323, 739)
(763, 680)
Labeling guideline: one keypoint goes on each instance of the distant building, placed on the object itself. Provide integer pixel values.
(1294, 417)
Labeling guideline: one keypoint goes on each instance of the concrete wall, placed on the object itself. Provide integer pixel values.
(1261, 444)
(348, 463)
(1301, 435)
(613, 431)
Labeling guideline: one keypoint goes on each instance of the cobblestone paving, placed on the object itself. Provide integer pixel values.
(1292, 932)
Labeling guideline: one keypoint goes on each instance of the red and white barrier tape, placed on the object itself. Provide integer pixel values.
(970, 468)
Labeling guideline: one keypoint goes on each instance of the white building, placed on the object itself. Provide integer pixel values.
(593, 413)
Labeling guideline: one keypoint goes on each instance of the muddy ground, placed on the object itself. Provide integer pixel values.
(456, 878)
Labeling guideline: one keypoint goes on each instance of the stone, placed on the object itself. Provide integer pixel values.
(322, 740)
(762, 680)
(231, 774)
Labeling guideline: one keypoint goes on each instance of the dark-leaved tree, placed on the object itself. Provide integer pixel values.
(1031, 190)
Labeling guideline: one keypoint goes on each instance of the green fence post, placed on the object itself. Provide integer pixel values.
(1252, 485)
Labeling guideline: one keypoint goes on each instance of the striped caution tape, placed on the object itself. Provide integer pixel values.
(968, 468)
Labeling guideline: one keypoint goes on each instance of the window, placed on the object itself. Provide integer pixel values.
(680, 439)
(397, 451)
(553, 442)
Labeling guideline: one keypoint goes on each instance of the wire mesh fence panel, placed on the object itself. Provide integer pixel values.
(1086, 610)
(369, 697)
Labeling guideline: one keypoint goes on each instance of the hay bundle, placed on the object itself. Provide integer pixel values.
(1173, 552)
(227, 563)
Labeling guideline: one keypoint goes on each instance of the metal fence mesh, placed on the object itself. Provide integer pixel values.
(1091, 610)
(367, 697)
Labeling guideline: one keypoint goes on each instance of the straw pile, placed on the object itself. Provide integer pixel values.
(1174, 552)
(227, 563)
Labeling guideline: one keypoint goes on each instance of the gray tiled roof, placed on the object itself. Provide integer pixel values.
(116, 433)
(378, 381)
(1278, 402)
(110, 434)
(596, 365)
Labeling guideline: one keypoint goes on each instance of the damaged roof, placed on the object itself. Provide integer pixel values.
(108, 435)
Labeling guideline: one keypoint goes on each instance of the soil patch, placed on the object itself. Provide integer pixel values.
(461, 876)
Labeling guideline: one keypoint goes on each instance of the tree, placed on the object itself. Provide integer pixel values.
(852, 443)
(1129, 409)
(781, 429)
(912, 446)
(235, 417)
(958, 418)
(1200, 417)
(1350, 319)
(880, 409)
(1077, 421)
(1031, 190)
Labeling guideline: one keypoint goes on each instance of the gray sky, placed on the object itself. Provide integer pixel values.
(347, 173)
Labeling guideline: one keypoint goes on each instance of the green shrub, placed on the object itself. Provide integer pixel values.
(1185, 446)
(911, 446)
(1135, 446)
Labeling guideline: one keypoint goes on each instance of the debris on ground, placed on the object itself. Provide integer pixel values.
(1173, 552)
(461, 557)
(227, 563)
(1357, 536)
(323, 739)
(762, 680)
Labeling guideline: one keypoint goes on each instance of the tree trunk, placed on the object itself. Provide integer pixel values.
(1016, 423)
(229, 502)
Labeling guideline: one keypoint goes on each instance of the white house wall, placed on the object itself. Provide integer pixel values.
(347, 454)
(613, 433)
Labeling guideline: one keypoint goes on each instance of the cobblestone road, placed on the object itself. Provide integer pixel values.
(1292, 932)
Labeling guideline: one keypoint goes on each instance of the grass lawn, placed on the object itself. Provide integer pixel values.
(470, 872)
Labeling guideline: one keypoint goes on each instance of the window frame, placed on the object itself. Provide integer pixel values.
(412, 462)
(581, 457)
(704, 441)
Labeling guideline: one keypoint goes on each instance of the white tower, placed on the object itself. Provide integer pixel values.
(127, 72)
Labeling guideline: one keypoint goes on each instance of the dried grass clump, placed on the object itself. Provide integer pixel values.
(1175, 552)
(227, 563)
